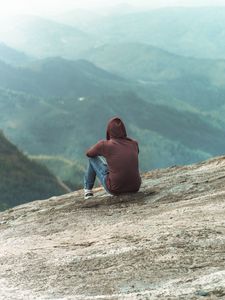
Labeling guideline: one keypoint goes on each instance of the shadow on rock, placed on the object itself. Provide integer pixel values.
(139, 198)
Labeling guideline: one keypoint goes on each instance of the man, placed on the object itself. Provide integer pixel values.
(114, 161)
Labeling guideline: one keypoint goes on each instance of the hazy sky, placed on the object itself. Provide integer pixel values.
(8, 7)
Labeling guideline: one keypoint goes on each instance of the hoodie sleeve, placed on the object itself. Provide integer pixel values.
(137, 146)
(97, 149)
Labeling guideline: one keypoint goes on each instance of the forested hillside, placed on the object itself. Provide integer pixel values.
(58, 77)
(172, 118)
(182, 81)
(67, 128)
(23, 180)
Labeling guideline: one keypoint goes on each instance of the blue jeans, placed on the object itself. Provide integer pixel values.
(96, 166)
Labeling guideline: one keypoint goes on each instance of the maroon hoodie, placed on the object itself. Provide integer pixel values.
(121, 154)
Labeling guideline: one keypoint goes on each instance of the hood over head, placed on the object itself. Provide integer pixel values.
(116, 129)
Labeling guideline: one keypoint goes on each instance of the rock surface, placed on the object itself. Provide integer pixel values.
(165, 242)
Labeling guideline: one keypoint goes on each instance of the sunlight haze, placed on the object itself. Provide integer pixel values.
(45, 7)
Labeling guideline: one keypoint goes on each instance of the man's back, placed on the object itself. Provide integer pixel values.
(121, 154)
(122, 158)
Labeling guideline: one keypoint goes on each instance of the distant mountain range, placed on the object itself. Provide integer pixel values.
(41, 37)
(155, 74)
(48, 106)
(196, 32)
(59, 90)
(149, 63)
(57, 77)
(23, 180)
(68, 126)
(197, 82)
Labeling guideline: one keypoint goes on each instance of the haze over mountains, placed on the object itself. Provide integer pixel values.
(162, 71)
(197, 32)
(41, 37)
(12, 56)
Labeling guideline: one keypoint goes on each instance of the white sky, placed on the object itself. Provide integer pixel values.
(45, 7)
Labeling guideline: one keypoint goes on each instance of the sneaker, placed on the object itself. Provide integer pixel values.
(88, 194)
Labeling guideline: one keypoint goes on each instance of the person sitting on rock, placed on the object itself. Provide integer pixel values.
(114, 161)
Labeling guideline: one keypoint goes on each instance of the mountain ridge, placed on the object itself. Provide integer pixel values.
(182, 78)
(12, 56)
(194, 32)
(70, 77)
(162, 131)
(43, 37)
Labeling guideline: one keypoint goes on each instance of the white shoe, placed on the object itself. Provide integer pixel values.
(88, 194)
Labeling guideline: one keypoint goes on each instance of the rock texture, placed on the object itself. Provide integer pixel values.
(165, 242)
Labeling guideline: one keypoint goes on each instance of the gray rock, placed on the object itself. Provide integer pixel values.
(165, 242)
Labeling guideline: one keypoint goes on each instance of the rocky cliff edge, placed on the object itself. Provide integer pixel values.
(165, 242)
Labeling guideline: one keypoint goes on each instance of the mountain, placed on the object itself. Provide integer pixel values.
(197, 82)
(165, 242)
(197, 32)
(22, 179)
(57, 77)
(64, 101)
(12, 56)
(57, 107)
(149, 63)
(67, 127)
(42, 37)
(156, 75)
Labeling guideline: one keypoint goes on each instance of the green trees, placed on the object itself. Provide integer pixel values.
(23, 180)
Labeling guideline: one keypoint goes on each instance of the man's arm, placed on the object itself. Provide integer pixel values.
(96, 150)
(137, 146)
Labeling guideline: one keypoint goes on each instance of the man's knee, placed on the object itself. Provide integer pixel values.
(94, 159)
